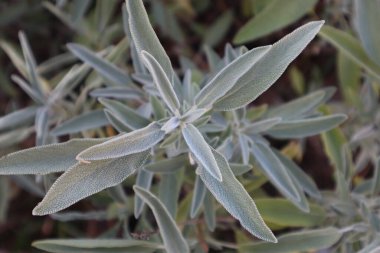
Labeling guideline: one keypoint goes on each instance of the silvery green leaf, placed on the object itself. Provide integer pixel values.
(14, 56)
(189, 89)
(55, 62)
(201, 150)
(286, 12)
(193, 115)
(42, 125)
(297, 107)
(261, 126)
(228, 76)
(125, 114)
(366, 21)
(209, 211)
(117, 123)
(376, 178)
(86, 121)
(269, 68)
(275, 171)
(169, 165)
(29, 184)
(72, 216)
(162, 82)
(240, 169)
(169, 189)
(306, 127)
(32, 93)
(231, 194)
(299, 176)
(78, 10)
(170, 125)
(198, 197)
(244, 148)
(144, 37)
(13, 137)
(124, 144)
(143, 180)
(103, 67)
(31, 65)
(18, 118)
(116, 92)
(157, 107)
(85, 179)
(218, 29)
(213, 58)
(45, 159)
(172, 237)
(229, 54)
(96, 245)
(308, 240)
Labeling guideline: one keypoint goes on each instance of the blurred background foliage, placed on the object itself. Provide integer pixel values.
(343, 162)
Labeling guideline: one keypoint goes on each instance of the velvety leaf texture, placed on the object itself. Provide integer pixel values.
(83, 180)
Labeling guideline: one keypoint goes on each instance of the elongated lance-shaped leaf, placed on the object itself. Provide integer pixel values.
(306, 127)
(169, 189)
(231, 194)
(18, 118)
(32, 93)
(275, 171)
(96, 245)
(45, 159)
(350, 47)
(143, 180)
(125, 144)
(209, 211)
(201, 150)
(42, 125)
(86, 121)
(125, 114)
(198, 197)
(228, 76)
(116, 92)
(269, 68)
(169, 165)
(376, 178)
(31, 65)
(303, 241)
(162, 82)
(13, 137)
(105, 68)
(14, 56)
(172, 237)
(299, 176)
(144, 37)
(285, 12)
(83, 180)
(367, 20)
(298, 107)
(261, 126)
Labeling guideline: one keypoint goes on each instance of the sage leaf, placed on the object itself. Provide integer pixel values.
(143, 180)
(96, 245)
(269, 68)
(228, 76)
(45, 159)
(84, 179)
(144, 37)
(125, 144)
(286, 12)
(275, 171)
(162, 82)
(169, 165)
(32, 93)
(105, 69)
(209, 211)
(201, 150)
(375, 189)
(261, 126)
(308, 240)
(231, 194)
(169, 190)
(351, 48)
(306, 127)
(18, 118)
(42, 125)
(366, 21)
(198, 197)
(116, 92)
(172, 237)
(13, 137)
(86, 121)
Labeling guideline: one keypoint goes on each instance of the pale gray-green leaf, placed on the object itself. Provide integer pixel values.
(198, 197)
(269, 68)
(162, 82)
(171, 235)
(124, 144)
(201, 150)
(116, 92)
(306, 127)
(228, 76)
(96, 246)
(103, 67)
(45, 159)
(144, 37)
(84, 179)
(261, 126)
(86, 121)
(169, 165)
(308, 240)
(143, 180)
(235, 199)
(18, 118)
